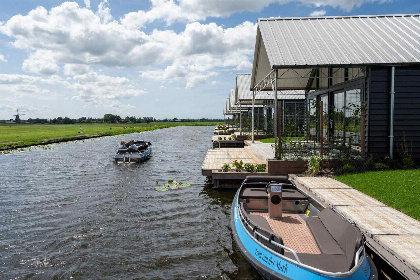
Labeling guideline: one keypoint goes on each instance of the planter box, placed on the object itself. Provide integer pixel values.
(285, 167)
(228, 144)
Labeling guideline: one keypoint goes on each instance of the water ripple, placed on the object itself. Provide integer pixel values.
(70, 212)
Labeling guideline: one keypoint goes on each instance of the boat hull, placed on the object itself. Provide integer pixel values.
(272, 266)
(129, 157)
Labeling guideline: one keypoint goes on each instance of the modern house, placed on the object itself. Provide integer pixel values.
(361, 76)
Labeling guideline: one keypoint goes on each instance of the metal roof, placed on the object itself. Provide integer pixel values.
(338, 41)
(244, 94)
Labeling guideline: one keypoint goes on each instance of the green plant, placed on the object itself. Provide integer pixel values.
(348, 168)
(260, 168)
(314, 165)
(225, 167)
(233, 136)
(408, 163)
(381, 166)
(172, 185)
(369, 163)
(220, 138)
(249, 167)
(238, 165)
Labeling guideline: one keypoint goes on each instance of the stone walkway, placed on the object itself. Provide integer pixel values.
(389, 232)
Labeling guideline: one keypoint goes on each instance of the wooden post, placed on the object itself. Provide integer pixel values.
(279, 147)
(321, 125)
(362, 129)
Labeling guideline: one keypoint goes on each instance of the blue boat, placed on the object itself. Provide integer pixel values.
(143, 153)
(286, 234)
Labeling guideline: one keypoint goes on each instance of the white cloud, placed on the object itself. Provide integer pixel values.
(41, 62)
(318, 13)
(87, 3)
(77, 35)
(104, 12)
(2, 59)
(244, 65)
(69, 34)
(76, 69)
(89, 87)
(172, 11)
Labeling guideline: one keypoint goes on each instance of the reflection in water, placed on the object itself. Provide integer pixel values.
(72, 212)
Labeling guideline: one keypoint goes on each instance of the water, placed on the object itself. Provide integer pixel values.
(70, 212)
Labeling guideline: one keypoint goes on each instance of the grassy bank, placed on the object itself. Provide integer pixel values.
(23, 135)
(286, 139)
(399, 189)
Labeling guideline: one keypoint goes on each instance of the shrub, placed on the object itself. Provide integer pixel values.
(408, 163)
(348, 168)
(238, 165)
(260, 168)
(249, 167)
(314, 165)
(369, 163)
(225, 167)
(392, 163)
(381, 166)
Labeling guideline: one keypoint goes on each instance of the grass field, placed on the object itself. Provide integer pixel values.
(287, 139)
(399, 189)
(24, 135)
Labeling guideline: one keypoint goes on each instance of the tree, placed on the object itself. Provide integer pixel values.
(111, 118)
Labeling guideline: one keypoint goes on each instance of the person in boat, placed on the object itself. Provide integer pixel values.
(122, 147)
(132, 147)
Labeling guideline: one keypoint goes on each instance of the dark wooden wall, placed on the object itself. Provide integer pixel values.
(406, 114)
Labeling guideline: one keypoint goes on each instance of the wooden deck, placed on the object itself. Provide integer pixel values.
(215, 158)
(390, 233)
(294, 231)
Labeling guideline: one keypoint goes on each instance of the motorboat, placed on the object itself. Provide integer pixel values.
(143, 152)
(286, 234)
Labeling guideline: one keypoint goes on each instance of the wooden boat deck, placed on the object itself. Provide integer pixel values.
(294, 232)
(390, 233)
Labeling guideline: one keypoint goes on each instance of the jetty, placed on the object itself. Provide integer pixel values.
(391, 234)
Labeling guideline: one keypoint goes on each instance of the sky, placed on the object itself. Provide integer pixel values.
(158, 58)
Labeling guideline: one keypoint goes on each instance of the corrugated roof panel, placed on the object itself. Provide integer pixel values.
(356, 40)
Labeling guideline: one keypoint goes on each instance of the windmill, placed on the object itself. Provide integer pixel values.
(17, 116)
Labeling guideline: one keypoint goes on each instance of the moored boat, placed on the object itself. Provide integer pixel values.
(286, 234)
(142, 153)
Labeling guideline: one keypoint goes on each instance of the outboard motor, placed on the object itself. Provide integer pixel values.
(275, 200)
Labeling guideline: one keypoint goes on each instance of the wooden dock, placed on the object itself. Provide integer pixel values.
(215, 158)
(391, 234)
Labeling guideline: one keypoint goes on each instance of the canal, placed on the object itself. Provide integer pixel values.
(70, 212)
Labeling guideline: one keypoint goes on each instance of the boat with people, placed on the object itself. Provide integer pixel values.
(133, 151)
(286, 234)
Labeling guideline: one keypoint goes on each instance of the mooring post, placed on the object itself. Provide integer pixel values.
(321, 125)
(280, 128)
(362, 128)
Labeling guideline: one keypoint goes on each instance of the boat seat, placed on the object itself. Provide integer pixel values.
(323, 238)
(287, 194)
(260, 222)
(331, 263)
(259, 178)
(335, 236)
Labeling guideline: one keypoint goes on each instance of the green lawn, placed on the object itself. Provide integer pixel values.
(287, 139)
(18, 135)
(399, 189)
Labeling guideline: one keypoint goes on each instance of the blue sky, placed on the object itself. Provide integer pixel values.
(157, 58)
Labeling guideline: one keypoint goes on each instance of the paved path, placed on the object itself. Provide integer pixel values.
(392, 234)
(264, 149)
